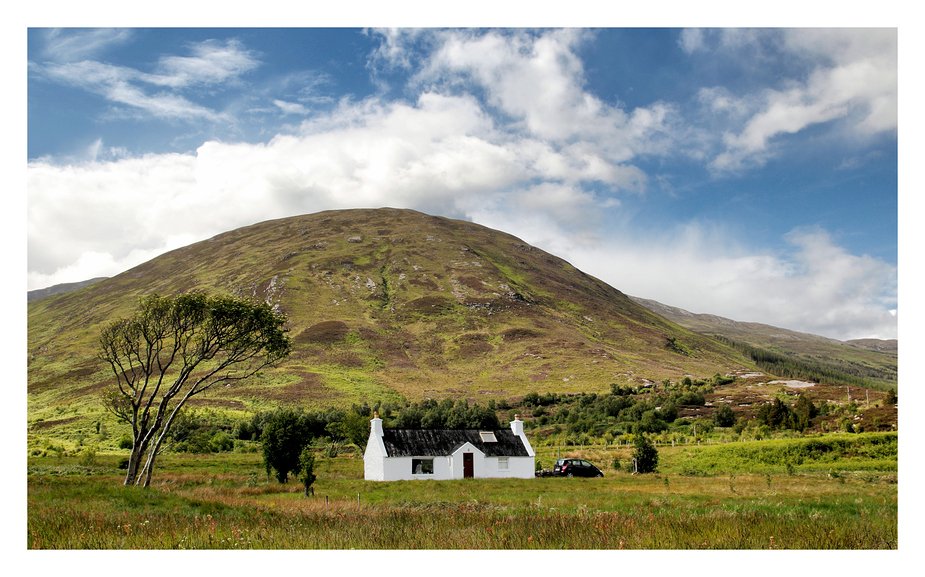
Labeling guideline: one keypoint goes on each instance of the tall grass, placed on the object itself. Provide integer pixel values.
(228, 504)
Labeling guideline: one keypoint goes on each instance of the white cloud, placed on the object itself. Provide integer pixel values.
(536, 86)
(292, 107)
(69, 45)
(818, 287)
(852, 78)
(121, 85)
(212, 63)
(691, 40)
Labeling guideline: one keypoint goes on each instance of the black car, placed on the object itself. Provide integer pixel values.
(575, 468)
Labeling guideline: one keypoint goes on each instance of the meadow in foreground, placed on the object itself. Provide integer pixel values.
(226, 502)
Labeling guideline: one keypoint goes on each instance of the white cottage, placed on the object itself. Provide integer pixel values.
(405, 454)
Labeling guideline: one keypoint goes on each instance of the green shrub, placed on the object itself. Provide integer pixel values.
(645, 454)
(724, 417)
(283, 438)
(306, 468)
(739, 425)
(220, 443)
(88, 457)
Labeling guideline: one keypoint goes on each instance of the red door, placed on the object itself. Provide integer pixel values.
(467, 466)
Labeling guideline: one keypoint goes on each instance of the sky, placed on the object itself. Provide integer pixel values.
(748, 173)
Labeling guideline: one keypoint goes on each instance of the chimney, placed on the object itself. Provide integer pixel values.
(376, 425)
(517, 426)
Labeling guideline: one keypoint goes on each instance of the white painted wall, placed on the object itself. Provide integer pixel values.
(378, 467)
(518, 468)
(374, 457)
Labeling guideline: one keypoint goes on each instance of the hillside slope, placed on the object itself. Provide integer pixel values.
(60, 289)
(872, 359)
(385, 303)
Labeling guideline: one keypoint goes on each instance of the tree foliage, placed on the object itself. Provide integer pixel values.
(173, 348)
(778, 415)
(284, 437)
(645, 454)
(829, 372)
(446, 414)
(724, 417)
(307, 469)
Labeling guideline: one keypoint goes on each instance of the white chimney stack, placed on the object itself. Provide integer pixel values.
(517, 426)
(376, 425)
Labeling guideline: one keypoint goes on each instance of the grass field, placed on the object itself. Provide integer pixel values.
(224, 501)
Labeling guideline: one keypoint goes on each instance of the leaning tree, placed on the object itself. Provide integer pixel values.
(173, 348)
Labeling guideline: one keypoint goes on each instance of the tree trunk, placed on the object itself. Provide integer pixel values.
(132, 471)
(149, 465)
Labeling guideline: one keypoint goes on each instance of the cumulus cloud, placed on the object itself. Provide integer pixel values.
(513, 68)
(817, 287)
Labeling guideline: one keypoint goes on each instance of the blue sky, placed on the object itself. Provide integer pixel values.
(748, 173)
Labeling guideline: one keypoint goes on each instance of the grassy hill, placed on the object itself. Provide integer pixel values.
(384, 303)
(871, 361)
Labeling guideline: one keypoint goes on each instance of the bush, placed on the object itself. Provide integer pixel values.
(645, 454)
(221, 443)
(739, 425)
(306, 469)
(88, 457)
(282, 441)
(125, 441)
(724, 417)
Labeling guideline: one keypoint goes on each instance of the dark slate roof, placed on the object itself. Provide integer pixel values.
(441, 442)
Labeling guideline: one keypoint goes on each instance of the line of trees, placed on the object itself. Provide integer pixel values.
(778, 415)
(446, 414)
(792, 368)
(632, 409)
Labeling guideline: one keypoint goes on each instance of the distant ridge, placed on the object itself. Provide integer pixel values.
(63, 288)
(875, 359)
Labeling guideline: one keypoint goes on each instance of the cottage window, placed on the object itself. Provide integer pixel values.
(502, 463)
(422, 466)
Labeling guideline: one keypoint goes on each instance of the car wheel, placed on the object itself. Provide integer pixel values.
(571, 475)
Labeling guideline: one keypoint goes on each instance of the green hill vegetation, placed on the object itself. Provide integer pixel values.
(869, 363)
(406, 311)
